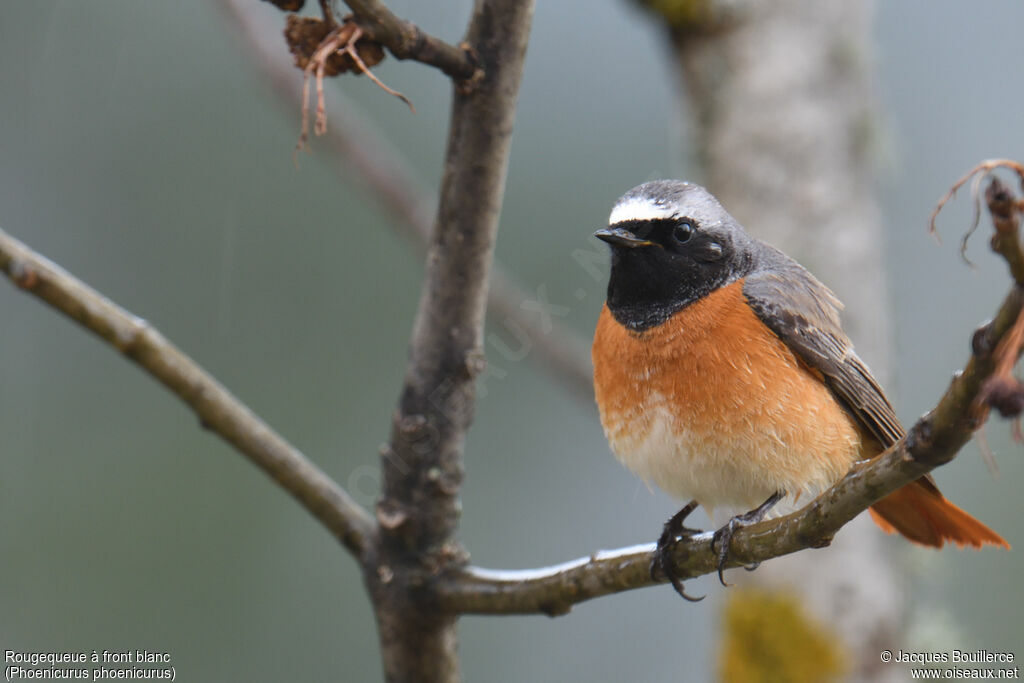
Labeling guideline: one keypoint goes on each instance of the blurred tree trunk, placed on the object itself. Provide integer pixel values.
(782, 116)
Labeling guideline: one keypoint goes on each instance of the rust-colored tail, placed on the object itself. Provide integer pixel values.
(920, 513)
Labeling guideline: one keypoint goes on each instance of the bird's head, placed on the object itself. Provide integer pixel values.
(672, 243)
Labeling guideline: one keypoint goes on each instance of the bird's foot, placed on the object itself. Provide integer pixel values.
(673, 533)
(723, 537)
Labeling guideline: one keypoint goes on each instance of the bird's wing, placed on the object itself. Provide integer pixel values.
(805, 315)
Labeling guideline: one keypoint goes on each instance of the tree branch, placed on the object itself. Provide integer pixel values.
(391, 180)
(419, 506)
(217, 408)
(405, 40)
(933, 441)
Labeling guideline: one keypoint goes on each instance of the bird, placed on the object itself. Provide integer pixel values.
(723, 376)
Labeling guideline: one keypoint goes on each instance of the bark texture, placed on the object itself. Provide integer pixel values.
(418, 511)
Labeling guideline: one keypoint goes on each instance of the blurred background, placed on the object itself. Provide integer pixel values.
(143, 151)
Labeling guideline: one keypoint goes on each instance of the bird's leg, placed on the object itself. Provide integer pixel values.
(672, 533)
(723, 537)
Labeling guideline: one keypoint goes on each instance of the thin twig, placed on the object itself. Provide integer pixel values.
(354, 54)
(975, 218)
(318, 62)
(217, 408)
(987, 456)
(405, 40)
(986, 167)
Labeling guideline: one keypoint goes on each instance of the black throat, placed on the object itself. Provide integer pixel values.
(648, 286)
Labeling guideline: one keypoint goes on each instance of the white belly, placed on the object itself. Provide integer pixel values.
(723, 471)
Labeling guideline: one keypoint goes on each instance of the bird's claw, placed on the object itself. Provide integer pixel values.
(723, 540)
(723, 537)
(672, 533)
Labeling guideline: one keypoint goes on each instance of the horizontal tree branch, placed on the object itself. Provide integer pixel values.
(406, 40)
(933, 441)
(391, 180)
(217, 408)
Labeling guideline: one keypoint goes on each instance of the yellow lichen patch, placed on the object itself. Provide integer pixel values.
(768, 637)
(684, 15)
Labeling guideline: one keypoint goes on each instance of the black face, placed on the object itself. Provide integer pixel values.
(660, 266)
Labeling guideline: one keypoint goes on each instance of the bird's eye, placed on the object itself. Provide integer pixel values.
(682, 232)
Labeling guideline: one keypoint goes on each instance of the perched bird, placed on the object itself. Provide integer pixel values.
(722, 375)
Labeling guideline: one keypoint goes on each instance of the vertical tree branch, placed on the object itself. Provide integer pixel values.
(419, 506)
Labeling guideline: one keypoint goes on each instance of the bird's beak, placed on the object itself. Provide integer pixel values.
(620, 237)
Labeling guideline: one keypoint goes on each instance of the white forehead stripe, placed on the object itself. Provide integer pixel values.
(639, 209)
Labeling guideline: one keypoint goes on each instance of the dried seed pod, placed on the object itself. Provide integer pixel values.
(306, 35)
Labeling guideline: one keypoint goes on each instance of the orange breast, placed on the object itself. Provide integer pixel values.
(712, 405)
